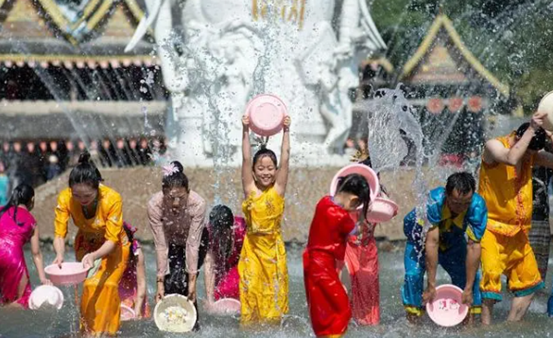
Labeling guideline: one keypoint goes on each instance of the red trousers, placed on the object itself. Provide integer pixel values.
(327, 299)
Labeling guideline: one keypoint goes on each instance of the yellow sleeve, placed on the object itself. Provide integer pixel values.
(62, 213)
(114, 221)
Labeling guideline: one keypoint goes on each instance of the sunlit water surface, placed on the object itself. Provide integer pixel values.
(17, 323)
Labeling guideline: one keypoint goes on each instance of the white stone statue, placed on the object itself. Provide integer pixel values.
(231, 50)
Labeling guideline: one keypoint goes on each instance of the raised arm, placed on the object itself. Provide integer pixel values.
(248, 183)
(495, 152)
(431, 248)
(282, 174)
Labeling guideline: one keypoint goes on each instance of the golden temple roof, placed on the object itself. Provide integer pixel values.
(428, 46)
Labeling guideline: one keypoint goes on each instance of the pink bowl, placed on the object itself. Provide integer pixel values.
(447, 309)
(70, 273)
(127, 313)
(381, 210)
(361, 169)
(266, 114)
(226, 306)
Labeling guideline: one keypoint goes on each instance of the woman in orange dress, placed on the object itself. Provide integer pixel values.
(97, 211)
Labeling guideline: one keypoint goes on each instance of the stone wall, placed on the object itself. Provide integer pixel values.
(305, 188)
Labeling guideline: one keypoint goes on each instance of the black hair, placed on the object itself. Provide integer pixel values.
(85, 172)
(357, 185)
(538, 141)
(264, 152)
(176, 179)
(463, 182)
(22, 194)
(222, 219)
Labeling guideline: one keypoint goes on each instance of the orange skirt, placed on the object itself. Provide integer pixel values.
(100, 303)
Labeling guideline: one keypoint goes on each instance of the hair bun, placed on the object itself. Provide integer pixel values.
(178, 166)
(84, 157)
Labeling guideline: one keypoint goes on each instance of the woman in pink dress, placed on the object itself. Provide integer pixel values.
(17, 227)
(226, 236)
(132, 288)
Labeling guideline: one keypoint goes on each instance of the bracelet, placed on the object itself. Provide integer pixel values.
(160, 279)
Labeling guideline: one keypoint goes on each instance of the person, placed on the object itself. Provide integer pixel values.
(327, 299)
(452, 212)
(176, 216)
(506, 185)
(361, 260)
(540, 233)
(4, 184)
(262, 267)
(17, 227)
(226, 237)
(97, 211)
(132, 288)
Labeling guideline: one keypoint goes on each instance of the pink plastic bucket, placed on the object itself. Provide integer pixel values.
(266, 114)
(226, 306)
(360, 169)
(382, 210)
(447, 308)
(70, 273)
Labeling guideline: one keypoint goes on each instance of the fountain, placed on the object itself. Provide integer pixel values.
(230, 51)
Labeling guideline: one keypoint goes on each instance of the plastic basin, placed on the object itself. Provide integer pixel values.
(360, 169)
(46, 294)
(175, 313)
(447, 309)
(226, 306)
(266, 114)
(382, 210)
(71, 273)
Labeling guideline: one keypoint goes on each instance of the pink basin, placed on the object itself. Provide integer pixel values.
(71, 273)
(266, 114)
(361, 169)
(226, 306)
(382, 210)
(127, 313)
(447, 309)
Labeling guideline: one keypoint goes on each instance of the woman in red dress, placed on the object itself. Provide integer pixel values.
(329, 307)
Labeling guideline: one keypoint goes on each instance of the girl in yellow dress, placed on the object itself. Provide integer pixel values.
(97, 211)
(262, 266)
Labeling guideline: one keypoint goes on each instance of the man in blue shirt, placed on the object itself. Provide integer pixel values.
(456, 220)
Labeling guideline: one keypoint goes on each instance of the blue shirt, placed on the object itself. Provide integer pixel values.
(471, 223)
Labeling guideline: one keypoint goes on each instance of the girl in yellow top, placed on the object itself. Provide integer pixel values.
(97, 211)
(262, 266)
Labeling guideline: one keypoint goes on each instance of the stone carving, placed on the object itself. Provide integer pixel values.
(227, 51)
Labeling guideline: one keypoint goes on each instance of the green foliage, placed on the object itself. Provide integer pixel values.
(512, 38)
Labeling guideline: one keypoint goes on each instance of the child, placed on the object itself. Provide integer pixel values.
(226, 237)
(328, 302)
(361, 260)
(132, 288)
(262, 267)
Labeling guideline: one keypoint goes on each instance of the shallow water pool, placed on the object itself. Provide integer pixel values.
(18, 323)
